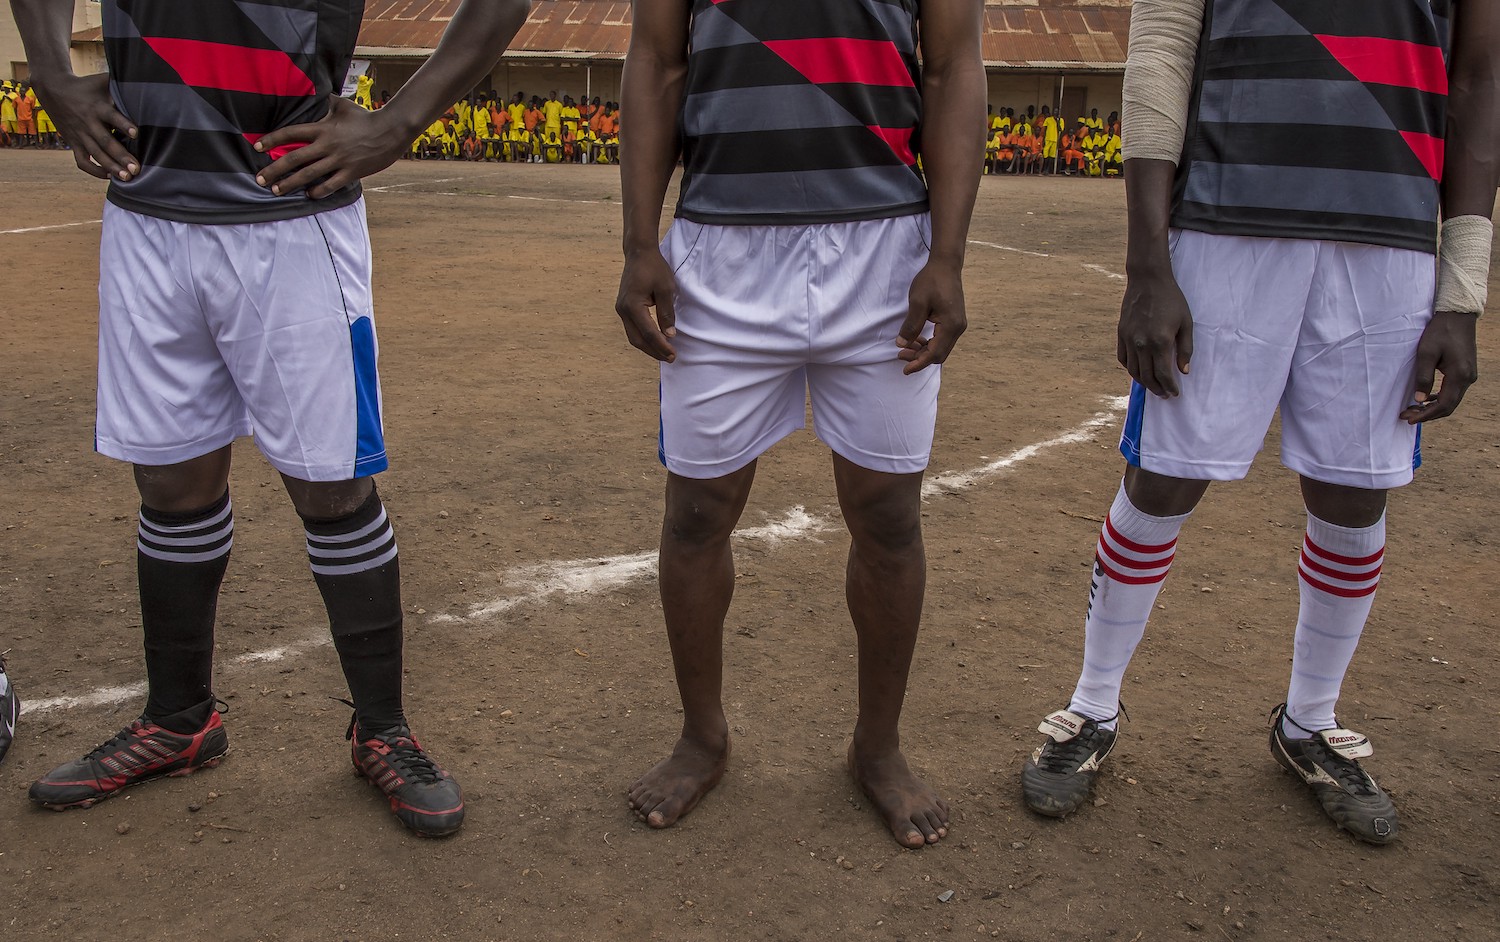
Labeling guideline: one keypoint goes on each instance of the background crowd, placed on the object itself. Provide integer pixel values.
(23, 120)
(1047, 143)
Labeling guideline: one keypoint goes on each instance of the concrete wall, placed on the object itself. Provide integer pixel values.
(13, 55)
(1013, 90)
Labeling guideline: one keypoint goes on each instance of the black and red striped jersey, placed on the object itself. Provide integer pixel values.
(204, 80)
(800, 112)
(1318, 119)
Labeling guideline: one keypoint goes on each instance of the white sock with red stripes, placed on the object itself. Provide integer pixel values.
(1131, 561)
(1337, 573)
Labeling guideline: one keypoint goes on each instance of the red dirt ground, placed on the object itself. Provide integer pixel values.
(523, 430)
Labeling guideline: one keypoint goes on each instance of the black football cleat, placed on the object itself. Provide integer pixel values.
(423, 795)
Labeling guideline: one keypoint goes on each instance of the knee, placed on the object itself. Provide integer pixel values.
(329, 500)
(883, 531)
(696, 525)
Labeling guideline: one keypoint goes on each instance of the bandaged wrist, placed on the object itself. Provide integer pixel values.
(1159, 76)
(1464, 265)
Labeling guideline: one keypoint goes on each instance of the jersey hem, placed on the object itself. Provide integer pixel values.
(1282, 230)
(801, 219)
(227, 216)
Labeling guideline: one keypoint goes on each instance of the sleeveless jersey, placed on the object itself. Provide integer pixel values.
(801, 112)
(204, 80)
(1318, 119)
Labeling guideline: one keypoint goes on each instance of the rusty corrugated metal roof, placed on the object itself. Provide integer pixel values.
(1085, 35)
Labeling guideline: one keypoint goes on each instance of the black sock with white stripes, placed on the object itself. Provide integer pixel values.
(354, 562)
(180, 562)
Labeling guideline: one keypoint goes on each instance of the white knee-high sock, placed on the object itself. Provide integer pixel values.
(1337, 574)
(1131, 561)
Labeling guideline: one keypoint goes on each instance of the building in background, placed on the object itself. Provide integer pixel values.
(1061, 53)
(86, 16)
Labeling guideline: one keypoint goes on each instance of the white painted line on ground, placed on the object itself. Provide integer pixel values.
(110, 696)
(584, 577)
(1097, 269)
(61, 225)
(601, 573)
(397, 186)
(554, 199)
(956, 480)
(1009, 248)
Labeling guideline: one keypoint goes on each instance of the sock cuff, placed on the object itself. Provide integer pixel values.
(1140, 527)
(1346, 541)
(196, 536)
(360, 542)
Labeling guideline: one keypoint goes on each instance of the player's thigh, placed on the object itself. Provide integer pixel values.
(1355, 365)
(294, 319)
(165, 395)
(864, 406)
(737, 384)
(1247, 297)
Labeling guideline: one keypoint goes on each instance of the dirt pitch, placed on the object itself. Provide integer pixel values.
(522, 429)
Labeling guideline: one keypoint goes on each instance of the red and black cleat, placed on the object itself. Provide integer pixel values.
(423, 795)
(138, 753)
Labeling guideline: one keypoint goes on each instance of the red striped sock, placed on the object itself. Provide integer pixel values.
(1338, 572)
(1131, 561)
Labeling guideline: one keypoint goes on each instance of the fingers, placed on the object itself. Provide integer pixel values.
(1429, 407)
(1184, 347)
(642, 332)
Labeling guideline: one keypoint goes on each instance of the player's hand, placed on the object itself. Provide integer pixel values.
(937, 295)
(648, 282)
(346, 144)
(1448, 347)
(1155, 333)
(86, 118)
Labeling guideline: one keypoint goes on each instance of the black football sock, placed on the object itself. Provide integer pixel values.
(354, 561)
(180, 562)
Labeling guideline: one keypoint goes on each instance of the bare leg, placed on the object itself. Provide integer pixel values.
(697, 583)
(1341, 505)
(887, 576)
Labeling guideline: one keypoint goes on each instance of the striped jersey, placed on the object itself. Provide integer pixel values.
(1318, 119)
(801, 111)
(204, 80)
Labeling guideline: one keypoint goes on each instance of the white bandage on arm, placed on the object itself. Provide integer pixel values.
(1159, 76)
(1464, 265)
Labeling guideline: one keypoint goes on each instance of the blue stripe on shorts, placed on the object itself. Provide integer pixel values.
(369, 452)
(1135, 414)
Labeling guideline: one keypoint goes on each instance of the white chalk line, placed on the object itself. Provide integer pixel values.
(389, 187)
(538, 583)
(1097, 269)
(603, 573)
(110, 696)
(541, 582)
(61, 225)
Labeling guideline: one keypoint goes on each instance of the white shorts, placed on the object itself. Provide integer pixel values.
(1327, 331)
(210, 332)
(768, 314)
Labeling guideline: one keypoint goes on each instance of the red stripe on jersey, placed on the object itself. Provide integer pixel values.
(834, 60)
(1128, 563)
(1312, 564)
(1390, 62)
(1121, 577)
(1429, 150)
(1374, 557)
(899, 139)
(1337, 590)
(275, 152)
(233, 68)
(1142, 548)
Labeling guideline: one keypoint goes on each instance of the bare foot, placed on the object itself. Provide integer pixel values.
(912, 810)
(676, 784)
